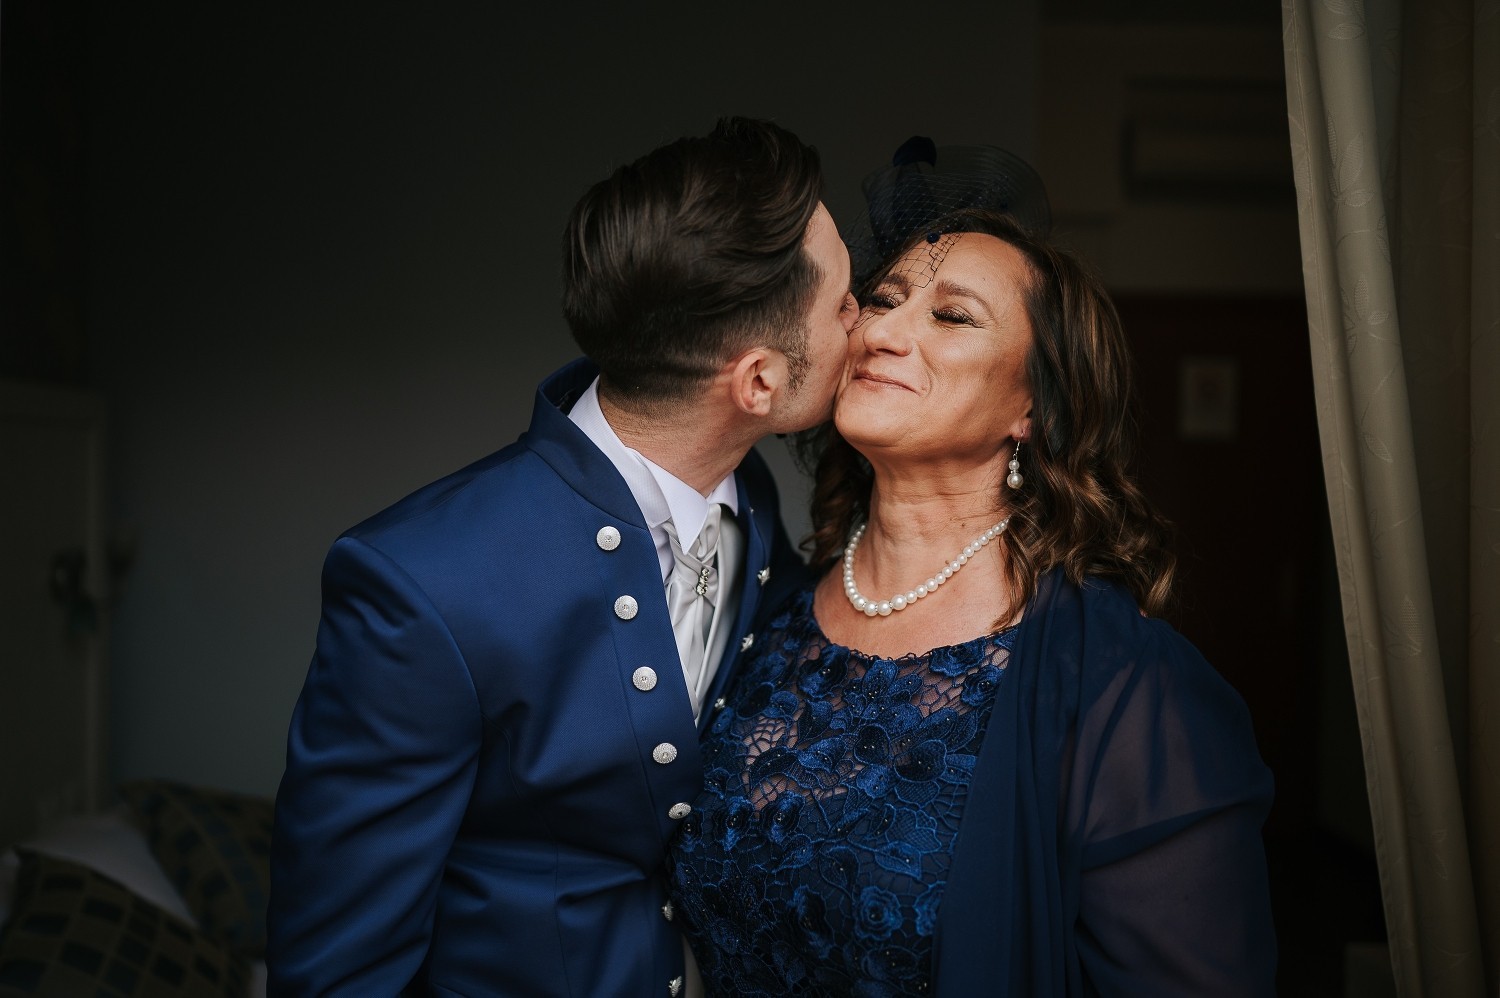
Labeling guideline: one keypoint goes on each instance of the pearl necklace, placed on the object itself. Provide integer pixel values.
(900, 601)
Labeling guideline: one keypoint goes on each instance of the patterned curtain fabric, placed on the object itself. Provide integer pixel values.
(1395, 126)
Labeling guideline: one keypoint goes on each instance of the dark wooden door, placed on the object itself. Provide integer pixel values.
(1229, 450)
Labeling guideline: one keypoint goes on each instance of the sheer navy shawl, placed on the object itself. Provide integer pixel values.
(1111, 842)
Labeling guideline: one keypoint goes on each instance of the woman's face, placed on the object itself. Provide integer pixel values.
(937, 360)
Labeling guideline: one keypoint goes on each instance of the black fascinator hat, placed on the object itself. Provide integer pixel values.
(925, 183)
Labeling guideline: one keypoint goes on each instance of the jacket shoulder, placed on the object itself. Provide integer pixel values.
(498, 477)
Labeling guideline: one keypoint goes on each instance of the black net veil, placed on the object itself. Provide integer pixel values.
(909, 204)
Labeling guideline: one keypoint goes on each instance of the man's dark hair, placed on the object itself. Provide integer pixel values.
(691, 254)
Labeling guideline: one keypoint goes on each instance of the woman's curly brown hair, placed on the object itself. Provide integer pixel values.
(1079, 509)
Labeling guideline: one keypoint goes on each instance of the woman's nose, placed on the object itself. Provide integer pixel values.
(885, 332)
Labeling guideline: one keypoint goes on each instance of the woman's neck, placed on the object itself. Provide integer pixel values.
(927, 516)
(918, 525)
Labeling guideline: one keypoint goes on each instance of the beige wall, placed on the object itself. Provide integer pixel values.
(1196, 97)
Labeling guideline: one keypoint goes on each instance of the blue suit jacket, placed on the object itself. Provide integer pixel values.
(470, 804)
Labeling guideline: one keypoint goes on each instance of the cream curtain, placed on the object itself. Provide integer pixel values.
(1394, 108)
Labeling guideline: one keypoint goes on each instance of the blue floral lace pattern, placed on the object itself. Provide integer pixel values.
(815, 860)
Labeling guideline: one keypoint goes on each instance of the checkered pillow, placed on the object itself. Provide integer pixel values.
(74, 931)
(215, 846)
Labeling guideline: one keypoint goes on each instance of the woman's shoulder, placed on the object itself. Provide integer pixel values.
(1100, 605)
(1116, 644)
(1149, 707)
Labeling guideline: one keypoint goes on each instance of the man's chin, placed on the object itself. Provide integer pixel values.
(817, 417)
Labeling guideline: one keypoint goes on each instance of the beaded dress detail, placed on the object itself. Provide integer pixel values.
(814, 862)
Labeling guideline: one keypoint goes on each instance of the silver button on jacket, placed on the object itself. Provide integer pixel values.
(664, 753)
(679, 811)
(608, 538)
(625, 607)
(644, 678)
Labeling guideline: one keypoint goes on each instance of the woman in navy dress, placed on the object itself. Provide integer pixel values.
(970, 759)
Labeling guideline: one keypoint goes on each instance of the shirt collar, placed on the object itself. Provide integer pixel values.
(660, 494)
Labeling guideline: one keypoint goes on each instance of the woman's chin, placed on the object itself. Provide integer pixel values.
(864, 430)
(871, 401)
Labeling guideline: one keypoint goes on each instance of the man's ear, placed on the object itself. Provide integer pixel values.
(756, 377)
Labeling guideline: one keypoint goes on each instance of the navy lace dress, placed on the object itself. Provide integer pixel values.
(815, 860)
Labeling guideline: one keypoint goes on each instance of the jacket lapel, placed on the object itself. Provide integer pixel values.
(755, 526)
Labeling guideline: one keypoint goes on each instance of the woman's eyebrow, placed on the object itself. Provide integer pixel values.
(949, 288)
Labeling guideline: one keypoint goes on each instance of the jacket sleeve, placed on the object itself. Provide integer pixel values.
(381, 761)
(1173, 889)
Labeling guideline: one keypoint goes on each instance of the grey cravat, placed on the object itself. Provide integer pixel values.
(693, 592)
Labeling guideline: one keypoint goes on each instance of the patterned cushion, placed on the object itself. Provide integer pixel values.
(75, 932)
(216, 847)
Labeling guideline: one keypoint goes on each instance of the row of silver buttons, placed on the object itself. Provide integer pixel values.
(644, 678)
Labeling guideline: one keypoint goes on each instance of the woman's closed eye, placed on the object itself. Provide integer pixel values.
(953, 317)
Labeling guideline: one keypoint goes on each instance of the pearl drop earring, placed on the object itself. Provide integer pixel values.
(1015, 479)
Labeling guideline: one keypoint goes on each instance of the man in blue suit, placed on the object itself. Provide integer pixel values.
(498, 733)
